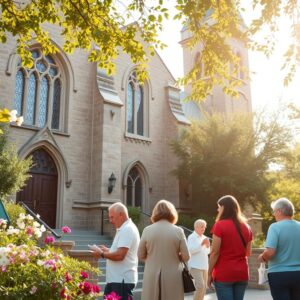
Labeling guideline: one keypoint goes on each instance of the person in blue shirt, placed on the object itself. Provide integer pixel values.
(283, 252)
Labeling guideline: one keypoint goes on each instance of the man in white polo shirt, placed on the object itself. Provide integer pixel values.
(122, 261)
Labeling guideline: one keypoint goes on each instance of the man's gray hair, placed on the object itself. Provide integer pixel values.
(284, 205)
(119, 207)
(199, 223)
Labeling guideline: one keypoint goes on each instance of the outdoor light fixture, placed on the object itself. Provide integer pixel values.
(111, 182)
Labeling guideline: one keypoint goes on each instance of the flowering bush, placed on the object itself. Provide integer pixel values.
(28, 271)
(112, 296)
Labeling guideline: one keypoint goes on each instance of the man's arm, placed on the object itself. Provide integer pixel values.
(117, 255)
(267, 255)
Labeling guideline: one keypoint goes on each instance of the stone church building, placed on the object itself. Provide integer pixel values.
(97, 139)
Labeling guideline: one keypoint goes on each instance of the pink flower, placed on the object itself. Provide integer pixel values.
(112, 296)
(66, 229)
(30, 230)
(86, 287)
(50, 264)
(62, 293)
(49, 240)
(96, 289)
(68, 277)
(33, 290)
(84, 275)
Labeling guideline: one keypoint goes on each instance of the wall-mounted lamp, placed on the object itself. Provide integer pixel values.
(111, 182)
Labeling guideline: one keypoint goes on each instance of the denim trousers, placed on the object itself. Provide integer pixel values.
(230, 290)
(285, 285)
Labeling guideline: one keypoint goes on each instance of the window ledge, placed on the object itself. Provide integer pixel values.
(34, 128)
(137, 138)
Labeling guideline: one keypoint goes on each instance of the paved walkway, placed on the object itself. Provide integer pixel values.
(251, 294)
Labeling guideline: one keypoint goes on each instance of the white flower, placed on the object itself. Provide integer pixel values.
(42, 229)
(40, 262)
(22, 216)
(4, 261)
(13, 116)
(12, 230)
(20, 224)
(36, 224)
(19, 121)
(37, 232)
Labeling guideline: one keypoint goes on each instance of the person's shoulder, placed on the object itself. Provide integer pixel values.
(192, 235)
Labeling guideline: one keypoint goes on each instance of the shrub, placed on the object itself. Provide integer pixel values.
(31, 272)
(134, 213)
(189, 220)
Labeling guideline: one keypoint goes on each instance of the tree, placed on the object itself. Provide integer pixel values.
(13, 170)
(286, 181)
(104, 28)
(229, 156)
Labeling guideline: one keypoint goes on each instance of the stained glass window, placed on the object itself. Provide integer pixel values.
(19, 92)
(130, 109)
(31, 99)
(56, 105)
(44, 80)
(43, 102)
(140, 111)
(135, 107)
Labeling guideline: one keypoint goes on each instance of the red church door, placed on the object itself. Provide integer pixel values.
(40, 192)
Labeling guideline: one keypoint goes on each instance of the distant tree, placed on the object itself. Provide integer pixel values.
(229, 156)
(13, 170)
(105, 28)
(285, 182)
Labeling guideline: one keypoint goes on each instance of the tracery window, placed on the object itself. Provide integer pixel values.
(137, 113)
(134, 195)
(38, 92)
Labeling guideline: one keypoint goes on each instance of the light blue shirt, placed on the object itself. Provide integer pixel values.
(284, 237)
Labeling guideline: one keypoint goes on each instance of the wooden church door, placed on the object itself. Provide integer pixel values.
(40, 192)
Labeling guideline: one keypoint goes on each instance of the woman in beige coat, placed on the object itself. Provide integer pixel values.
(162, 246)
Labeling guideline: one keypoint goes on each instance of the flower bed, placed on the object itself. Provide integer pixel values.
(28, 271)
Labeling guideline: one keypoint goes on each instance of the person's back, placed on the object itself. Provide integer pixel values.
(285, 237)
(161, 246)
(163, 237)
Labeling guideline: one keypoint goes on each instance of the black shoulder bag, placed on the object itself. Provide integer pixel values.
(188, 280)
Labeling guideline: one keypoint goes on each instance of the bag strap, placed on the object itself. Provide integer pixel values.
(184, 265)
(240, 234)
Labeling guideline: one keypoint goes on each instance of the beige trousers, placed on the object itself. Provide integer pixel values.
(200, 277)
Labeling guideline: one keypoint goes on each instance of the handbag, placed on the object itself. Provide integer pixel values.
(262, 274)
(188, 280)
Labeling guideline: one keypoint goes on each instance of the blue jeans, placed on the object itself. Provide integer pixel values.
(230, 290)
(285, 285)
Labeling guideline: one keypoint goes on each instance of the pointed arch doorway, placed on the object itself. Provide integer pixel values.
(40, 192)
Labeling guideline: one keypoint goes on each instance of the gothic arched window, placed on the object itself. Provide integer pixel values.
(137, 113)
(134, 195)
(38, 92)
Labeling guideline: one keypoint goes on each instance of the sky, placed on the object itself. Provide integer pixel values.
(266, 76)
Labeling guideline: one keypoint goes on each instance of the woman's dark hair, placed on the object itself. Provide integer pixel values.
(231, 210)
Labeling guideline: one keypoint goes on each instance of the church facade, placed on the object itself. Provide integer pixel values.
(96, 139)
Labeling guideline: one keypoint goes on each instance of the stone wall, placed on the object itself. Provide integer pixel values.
(253, 266)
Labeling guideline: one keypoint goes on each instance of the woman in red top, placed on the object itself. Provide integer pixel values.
(228, 263)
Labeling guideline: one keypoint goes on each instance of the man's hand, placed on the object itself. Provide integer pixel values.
(205, 243)
(104, 248)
